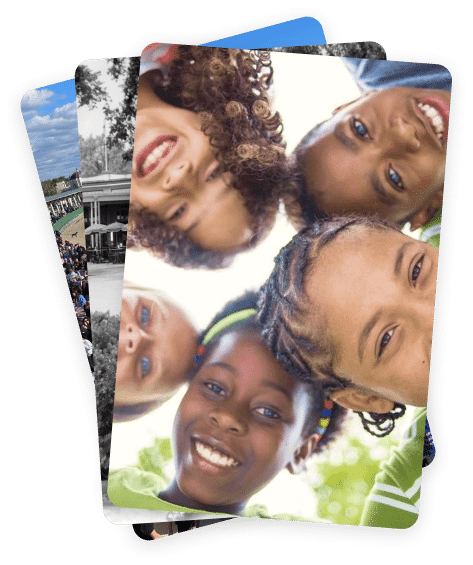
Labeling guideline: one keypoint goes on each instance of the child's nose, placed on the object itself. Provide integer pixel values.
(405, 134)
(177, 176)
(132, 337)
(226, 421)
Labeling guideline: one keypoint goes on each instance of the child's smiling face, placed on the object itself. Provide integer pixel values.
(240, 422)
(176, 176)
(383, 156)
(374, 289)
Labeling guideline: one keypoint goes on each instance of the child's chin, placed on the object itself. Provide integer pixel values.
(205, 499)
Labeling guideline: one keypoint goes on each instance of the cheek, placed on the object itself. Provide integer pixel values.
(123, 373)
(140, 196)
(416, 379)
(339, 200)
(270, 448)
(431, 173)
(190, 407)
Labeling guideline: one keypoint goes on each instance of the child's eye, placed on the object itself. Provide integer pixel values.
(144, 316)
(145, 365)
(268, 413)
(416, 270)
(384, 342)
(395, 179)
(178, 213)
(214, 173)
(216, 389)
(359, 128)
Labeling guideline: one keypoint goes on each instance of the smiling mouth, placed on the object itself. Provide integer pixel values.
(437, 119)
(214, 456)
(154, 153)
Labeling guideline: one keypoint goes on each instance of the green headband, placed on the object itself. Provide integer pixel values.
(227, 322)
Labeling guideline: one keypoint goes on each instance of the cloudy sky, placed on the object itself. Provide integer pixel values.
(50, 115)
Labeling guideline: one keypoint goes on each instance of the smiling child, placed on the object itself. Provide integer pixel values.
(383, 154)
(209, 163)
(242, 420)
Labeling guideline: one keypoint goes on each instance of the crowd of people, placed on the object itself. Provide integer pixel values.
(74, 262)
(67, 210)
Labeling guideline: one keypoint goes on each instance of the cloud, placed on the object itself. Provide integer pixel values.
(34, 99)
(54, 139)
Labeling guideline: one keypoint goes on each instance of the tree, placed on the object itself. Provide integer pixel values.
(105, 339)
(49, 186)
(121, 118)
(92, 155)
(89, 88)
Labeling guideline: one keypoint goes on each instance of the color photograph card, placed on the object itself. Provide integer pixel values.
(280, 274)
(106, 94)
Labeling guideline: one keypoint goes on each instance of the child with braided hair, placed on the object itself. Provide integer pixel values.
(242, 420)
(209, 165)
(350, 304)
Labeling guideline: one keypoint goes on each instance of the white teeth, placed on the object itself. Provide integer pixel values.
(214, 456)
(155, 155)
(434, 118)
(431, 112)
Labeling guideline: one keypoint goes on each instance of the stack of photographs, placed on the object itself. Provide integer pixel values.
(250, 239)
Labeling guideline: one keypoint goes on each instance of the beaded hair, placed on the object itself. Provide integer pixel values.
(242, 313)
(283, 309)
(229, 90)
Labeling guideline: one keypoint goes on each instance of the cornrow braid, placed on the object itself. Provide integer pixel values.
(283, 310)
(381, 425)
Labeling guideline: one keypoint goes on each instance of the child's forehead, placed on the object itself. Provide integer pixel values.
(365, 231)
(250, 360)
(237, 345)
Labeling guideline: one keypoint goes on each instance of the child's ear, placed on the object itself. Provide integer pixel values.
(428, 211)
(355, 399)
(297, 463)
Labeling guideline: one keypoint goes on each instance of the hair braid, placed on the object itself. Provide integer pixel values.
(381, 425)
(305, 352)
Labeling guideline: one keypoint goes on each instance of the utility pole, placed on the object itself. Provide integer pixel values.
(105, 144)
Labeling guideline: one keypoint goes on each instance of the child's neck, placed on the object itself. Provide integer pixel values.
(173, 495)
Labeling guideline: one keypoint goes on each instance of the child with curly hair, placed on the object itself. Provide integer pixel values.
(209, 165)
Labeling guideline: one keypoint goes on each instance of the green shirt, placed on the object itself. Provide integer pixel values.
(430, 233)
(132, 488)
(393, 501)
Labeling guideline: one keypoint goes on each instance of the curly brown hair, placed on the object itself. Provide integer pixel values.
(229, 89)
